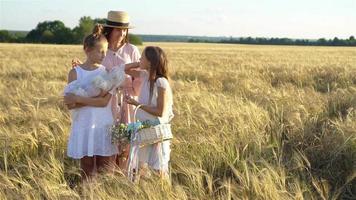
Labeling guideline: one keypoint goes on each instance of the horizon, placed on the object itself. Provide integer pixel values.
(170, 35)
(226, 18)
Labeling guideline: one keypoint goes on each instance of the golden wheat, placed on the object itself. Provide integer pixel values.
(252, 122)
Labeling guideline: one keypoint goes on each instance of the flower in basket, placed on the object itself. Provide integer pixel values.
(119, 133)
(134, 127)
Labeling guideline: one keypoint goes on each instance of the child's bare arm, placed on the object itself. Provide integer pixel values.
(75, 105)
(72, 76)
(88, 101)
(153, 110)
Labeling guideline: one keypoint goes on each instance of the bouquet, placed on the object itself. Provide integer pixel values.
(109, 80)
(97, 85)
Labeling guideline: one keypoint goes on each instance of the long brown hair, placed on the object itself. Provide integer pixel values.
(107, 32)
(159, 65)
(96, 36)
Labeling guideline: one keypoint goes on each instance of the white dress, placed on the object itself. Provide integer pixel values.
(90, 129)
(151, 154)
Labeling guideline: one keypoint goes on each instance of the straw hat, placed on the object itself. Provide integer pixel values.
(118, 19)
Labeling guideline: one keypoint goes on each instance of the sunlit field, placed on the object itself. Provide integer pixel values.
(251, 122)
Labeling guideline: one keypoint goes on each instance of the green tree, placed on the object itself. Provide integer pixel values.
(99, 21)
(5, 36)
(321, 41)
(51, 32)
(47, 37)
(134, 39)
(85, 27)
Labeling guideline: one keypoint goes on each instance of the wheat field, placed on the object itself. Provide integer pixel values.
(251, 122)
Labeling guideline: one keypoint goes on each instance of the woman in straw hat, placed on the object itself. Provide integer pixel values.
(120, 51)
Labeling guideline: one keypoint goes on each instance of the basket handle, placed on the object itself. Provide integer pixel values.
(135, 112)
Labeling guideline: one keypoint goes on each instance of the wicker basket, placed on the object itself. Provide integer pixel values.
(146, 136)
(154, 134)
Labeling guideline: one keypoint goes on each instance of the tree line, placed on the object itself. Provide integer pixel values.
(285, 41)
(55, 32)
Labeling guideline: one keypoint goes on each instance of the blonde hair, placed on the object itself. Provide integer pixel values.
(96, 36)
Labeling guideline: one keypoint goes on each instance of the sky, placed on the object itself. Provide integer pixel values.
(310, 19)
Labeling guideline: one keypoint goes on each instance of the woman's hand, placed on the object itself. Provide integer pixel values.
(75, 62)
(131, 101)
(132, 69)
(132, 65)
(70, 99)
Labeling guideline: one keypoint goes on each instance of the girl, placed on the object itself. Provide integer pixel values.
(156, 102)
(120, 51)
(89, 137)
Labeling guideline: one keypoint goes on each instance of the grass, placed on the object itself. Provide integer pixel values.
(252, 122)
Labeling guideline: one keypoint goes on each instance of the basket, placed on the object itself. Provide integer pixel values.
(154, 134)
(146, 136)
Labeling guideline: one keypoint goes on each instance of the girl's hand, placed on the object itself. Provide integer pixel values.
(102, 93)
(70, 99)
(76, 61)
(131, 101)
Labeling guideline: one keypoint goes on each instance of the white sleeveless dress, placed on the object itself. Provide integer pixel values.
(90, 133)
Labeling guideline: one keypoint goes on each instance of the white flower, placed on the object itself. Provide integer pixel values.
(81, 92)
(117, 75)
(102, 82)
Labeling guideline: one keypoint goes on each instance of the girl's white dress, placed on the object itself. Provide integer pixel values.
(156, 156)
(90, 133)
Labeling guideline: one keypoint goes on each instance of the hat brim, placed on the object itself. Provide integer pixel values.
(128, 27)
